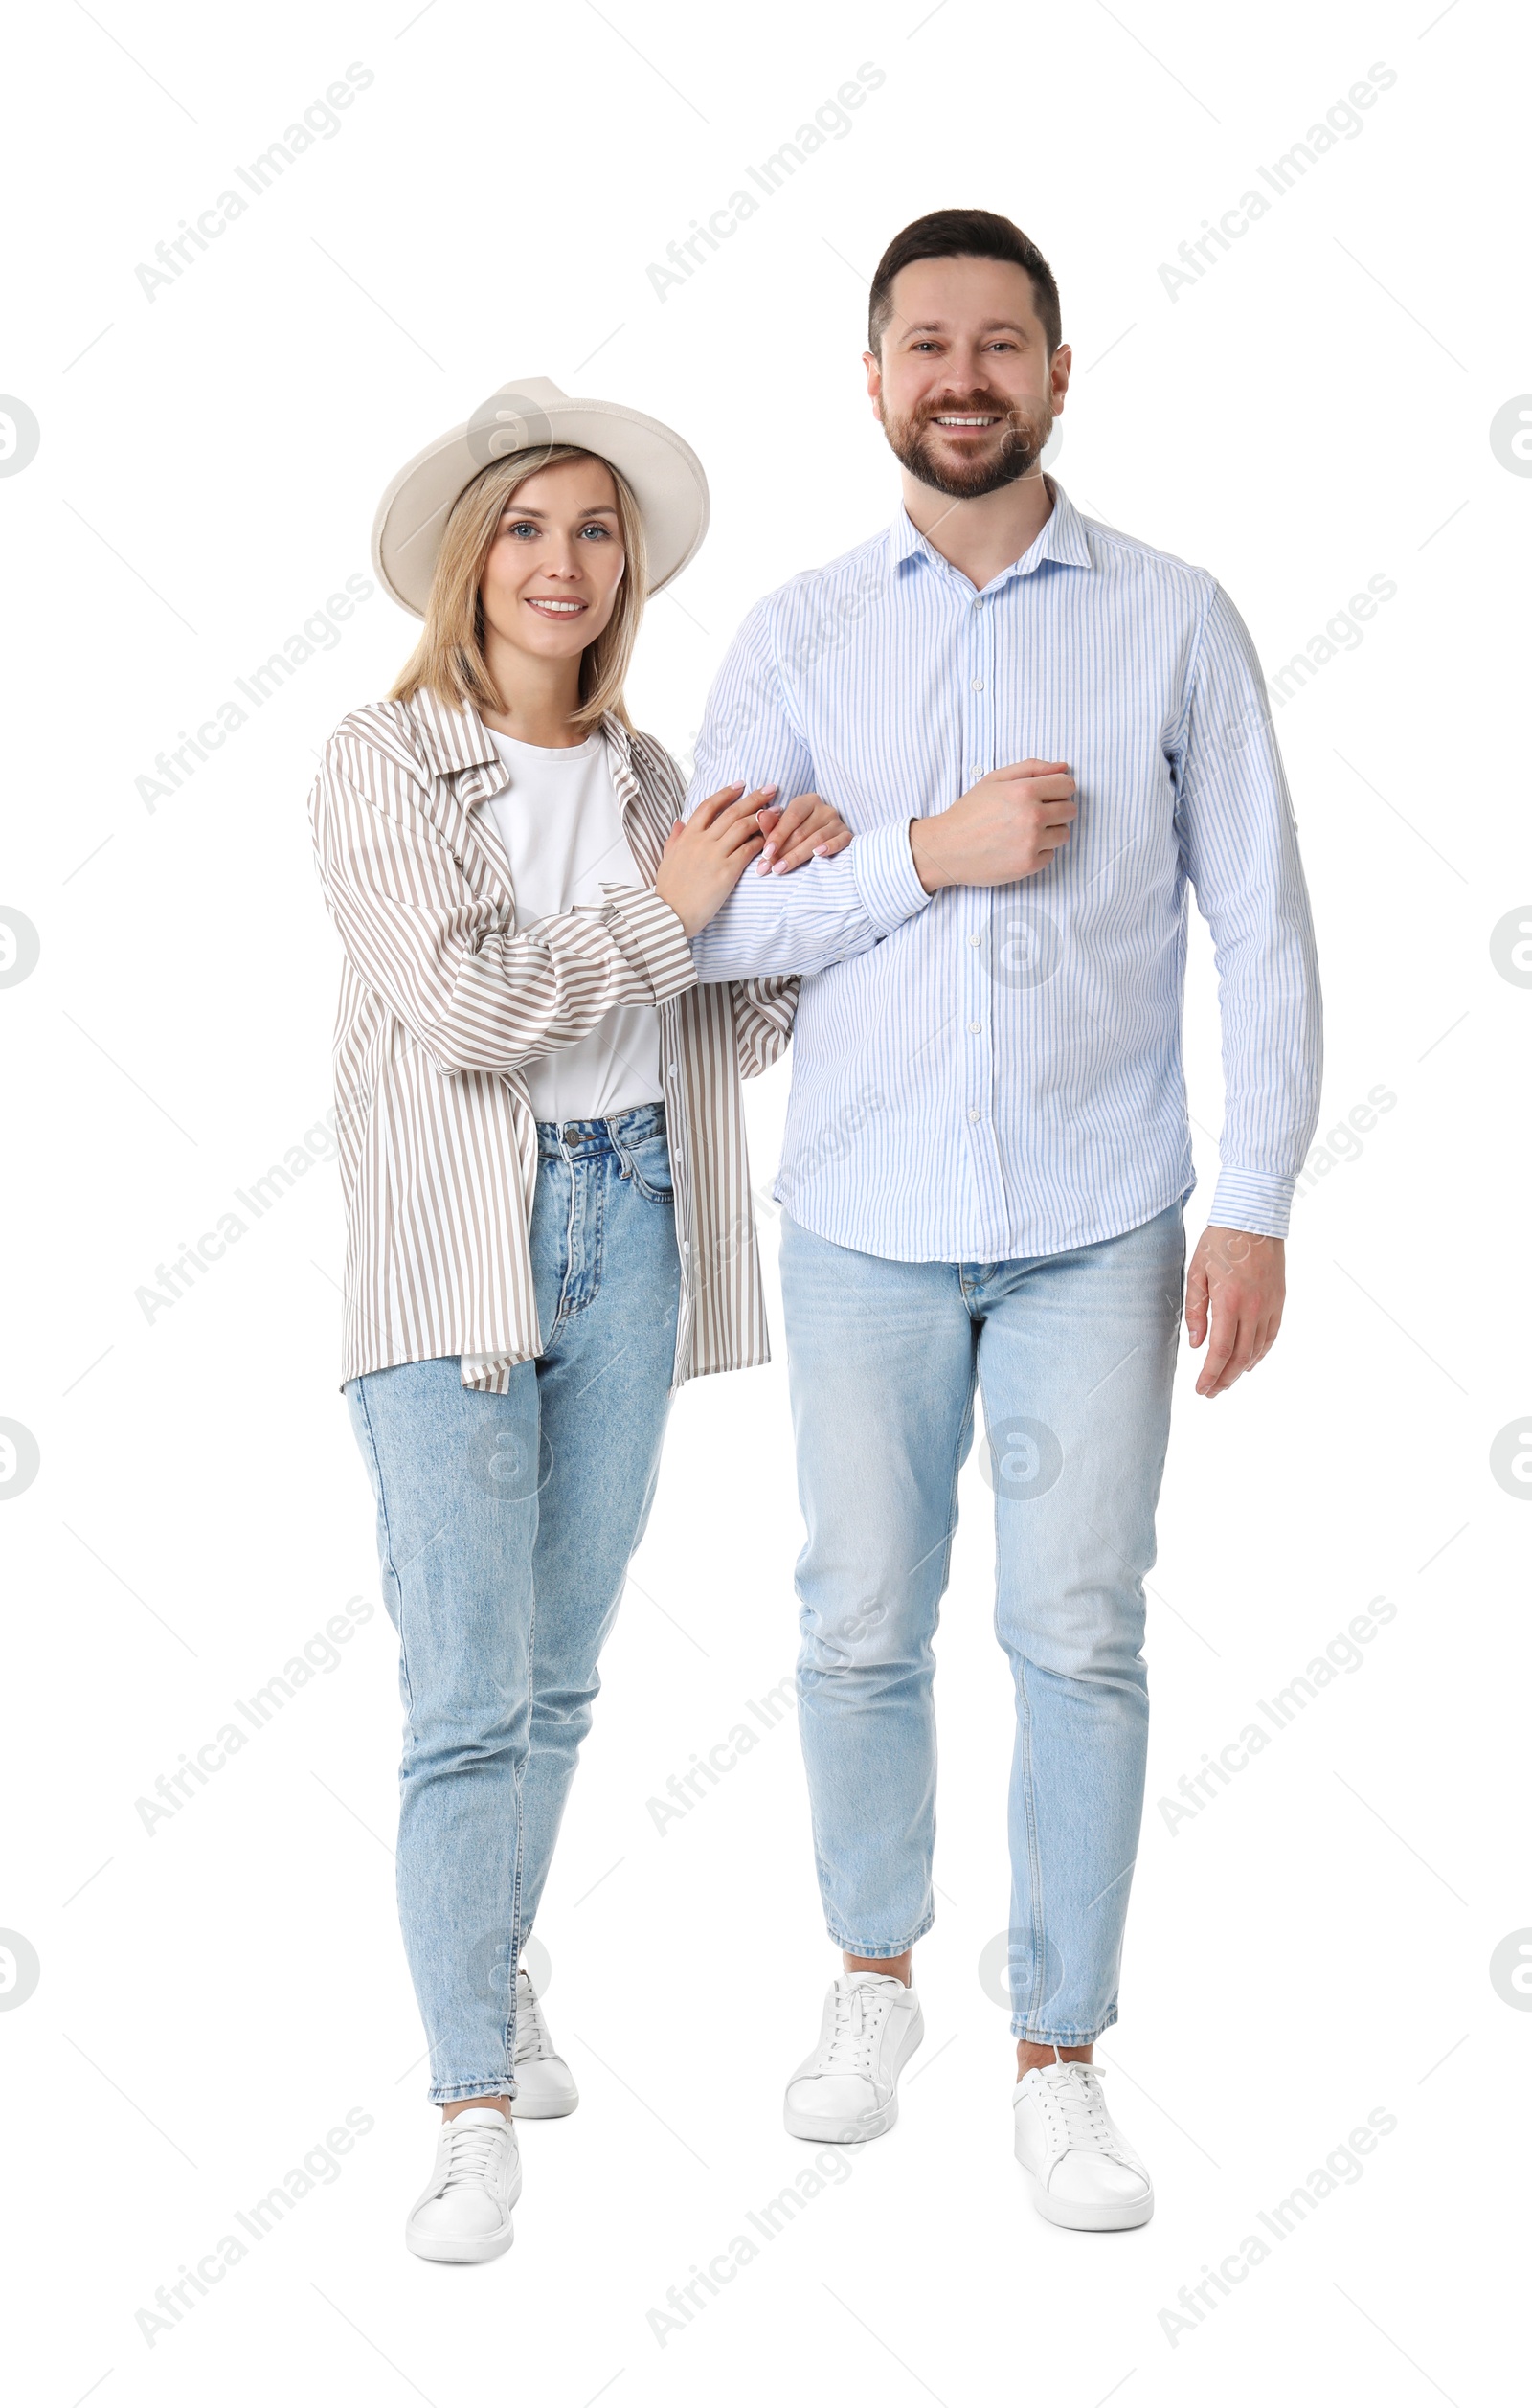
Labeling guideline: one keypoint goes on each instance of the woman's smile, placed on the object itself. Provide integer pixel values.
(554, 605)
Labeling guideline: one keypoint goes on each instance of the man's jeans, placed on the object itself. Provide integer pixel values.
(1073, 1354)
(504, 1528)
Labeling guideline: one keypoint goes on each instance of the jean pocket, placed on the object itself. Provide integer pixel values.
(648, 1163)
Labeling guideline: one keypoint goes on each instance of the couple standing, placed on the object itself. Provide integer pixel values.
(972, 767)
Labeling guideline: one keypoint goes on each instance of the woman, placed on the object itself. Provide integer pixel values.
(542, 1160)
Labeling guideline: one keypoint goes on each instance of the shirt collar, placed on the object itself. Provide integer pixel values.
(1061, 538)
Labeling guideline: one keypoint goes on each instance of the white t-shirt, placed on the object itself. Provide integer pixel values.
(561, 823)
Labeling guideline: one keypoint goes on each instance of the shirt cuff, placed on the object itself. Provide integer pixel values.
(887, 882)
(1252, 1200)
(652, 937)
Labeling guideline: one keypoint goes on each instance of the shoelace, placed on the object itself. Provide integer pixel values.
(471, 2153)
(858, 2016)
(532, 2039)
(1074, 2090)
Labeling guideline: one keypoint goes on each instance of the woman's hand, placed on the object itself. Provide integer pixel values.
(705, 856)
(797, 831)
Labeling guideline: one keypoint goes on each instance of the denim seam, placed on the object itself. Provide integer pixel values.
(966, 1423)
(560, 1311)
(520, 1776)
(957, 1458)
(1034, 1870)
(819, 1865)
(388, 1540)
(514, 1962)
(596, 1258)
(655, 1194)
(589, 1206)
(1023, 1743)
(958, 1454)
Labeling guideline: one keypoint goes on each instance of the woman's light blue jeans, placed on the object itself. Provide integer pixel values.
(1073, 1354)
(504, 1528)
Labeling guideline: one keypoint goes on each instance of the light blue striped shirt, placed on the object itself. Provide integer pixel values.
(991, 1073)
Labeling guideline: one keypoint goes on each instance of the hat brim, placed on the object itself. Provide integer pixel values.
(664, 471)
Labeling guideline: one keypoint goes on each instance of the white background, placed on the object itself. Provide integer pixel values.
(1315, 1942)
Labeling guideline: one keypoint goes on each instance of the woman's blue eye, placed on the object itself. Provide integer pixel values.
(527, 526)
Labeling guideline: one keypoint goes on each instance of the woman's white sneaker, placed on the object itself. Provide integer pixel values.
(848, 2088)
(544, 2082)
(1085, 2173)
(462, 2217)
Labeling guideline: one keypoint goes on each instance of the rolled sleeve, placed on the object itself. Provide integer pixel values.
(473, 990)
(828, 908)
(652, 936)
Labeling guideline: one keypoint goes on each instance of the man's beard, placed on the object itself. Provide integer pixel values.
(1022, 446)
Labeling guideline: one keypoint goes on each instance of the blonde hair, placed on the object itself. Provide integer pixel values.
(449, 660)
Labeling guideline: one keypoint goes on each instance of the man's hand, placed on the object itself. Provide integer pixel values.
(1237, 1282)
(797, 831)
(1007, 827)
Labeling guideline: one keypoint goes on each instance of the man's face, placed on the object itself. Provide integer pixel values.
(964, 389)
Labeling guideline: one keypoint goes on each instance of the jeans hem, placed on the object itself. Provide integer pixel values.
(1063, 2040)
(880, 1948)
(443, 2093)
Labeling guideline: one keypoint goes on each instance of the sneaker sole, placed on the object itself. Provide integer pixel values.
(875, 2123)
(1078, 2216)
(475, 2249)
(562, 2103)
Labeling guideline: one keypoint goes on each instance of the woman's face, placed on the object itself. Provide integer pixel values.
(550, 581)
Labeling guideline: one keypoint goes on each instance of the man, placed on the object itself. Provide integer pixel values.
(1041, 731)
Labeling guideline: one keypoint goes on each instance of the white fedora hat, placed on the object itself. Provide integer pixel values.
(664, 473)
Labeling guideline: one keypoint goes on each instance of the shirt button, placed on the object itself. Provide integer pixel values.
(671, 1068)
(976, 1115)
(978, 684)
(976, 940)
(976, 1027)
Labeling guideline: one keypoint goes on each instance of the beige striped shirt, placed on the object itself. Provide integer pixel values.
(443, 1003)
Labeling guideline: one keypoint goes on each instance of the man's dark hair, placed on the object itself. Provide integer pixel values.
(975, 234)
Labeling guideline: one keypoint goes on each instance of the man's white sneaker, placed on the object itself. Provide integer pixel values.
(462, 2217)
(846, 2089)
(544, 2082)
(1085, 2173)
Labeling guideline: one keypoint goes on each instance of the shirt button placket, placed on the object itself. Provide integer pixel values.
(980, 759)
(978, 1000)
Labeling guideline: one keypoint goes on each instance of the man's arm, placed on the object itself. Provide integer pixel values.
(1006, 827)
(1239, 844)
(825, 910)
